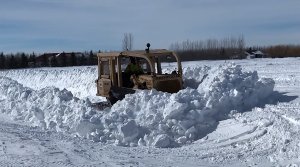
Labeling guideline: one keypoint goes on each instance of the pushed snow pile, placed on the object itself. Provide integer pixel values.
(49, 107)
(169, 120)
(79, 80)
(148, 117)
(193, 76)
(228, 87)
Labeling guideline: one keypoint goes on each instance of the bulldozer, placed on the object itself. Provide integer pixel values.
(114, 81)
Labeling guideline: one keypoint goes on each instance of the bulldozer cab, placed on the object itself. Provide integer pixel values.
(116, 77)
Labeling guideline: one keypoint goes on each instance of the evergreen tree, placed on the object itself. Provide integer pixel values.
(90, 59)
(2, 61)
(82, 60)
(24, 61)
(12, 62)
(16, 60)
(63, 59)
(32, 59)
(73, 59)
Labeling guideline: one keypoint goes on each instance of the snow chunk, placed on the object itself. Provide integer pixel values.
(162, 141)
(129, 131)
(174, 110)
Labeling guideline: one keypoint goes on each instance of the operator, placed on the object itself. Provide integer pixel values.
(133, 68)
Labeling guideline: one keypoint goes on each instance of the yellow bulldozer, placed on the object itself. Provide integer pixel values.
(121, 73)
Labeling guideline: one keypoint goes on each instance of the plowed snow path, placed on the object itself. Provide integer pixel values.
(259, 142)
(249, 139)
(21, 145)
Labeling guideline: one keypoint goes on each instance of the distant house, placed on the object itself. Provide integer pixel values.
(61, 59)
(44, 59)
(251, 54)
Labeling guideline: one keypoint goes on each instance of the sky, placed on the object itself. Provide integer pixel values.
(79, 25)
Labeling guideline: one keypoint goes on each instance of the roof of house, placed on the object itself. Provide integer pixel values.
(254, 52)
(49, 55)
(258, 52)
(45, 55)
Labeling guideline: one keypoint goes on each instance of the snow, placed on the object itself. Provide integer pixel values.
(228, 115)
(160, 119)
(258, 52)
(80, 81)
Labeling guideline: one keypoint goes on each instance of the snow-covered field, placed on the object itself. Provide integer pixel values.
(235, 117)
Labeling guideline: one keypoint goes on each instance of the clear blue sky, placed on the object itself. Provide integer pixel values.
(77, 25)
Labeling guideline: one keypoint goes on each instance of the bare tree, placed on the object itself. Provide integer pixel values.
(127, 41)
(230, 47)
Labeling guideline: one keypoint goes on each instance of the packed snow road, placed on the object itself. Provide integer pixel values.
(22, 145)
(241, 120)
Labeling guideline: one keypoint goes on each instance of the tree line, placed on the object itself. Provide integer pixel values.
(228, 48)
(280, 51)
(210, 49)
(25, 60)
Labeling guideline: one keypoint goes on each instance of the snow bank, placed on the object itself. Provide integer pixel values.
(148, 117)
(228, 87)
(168, 120)
(194, 76)
(79, 80)
(49, 107)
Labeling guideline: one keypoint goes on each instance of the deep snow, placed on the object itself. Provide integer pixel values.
(147, 118)
(213, 111)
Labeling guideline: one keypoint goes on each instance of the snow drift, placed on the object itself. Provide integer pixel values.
(148, 117)
(79, 80)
